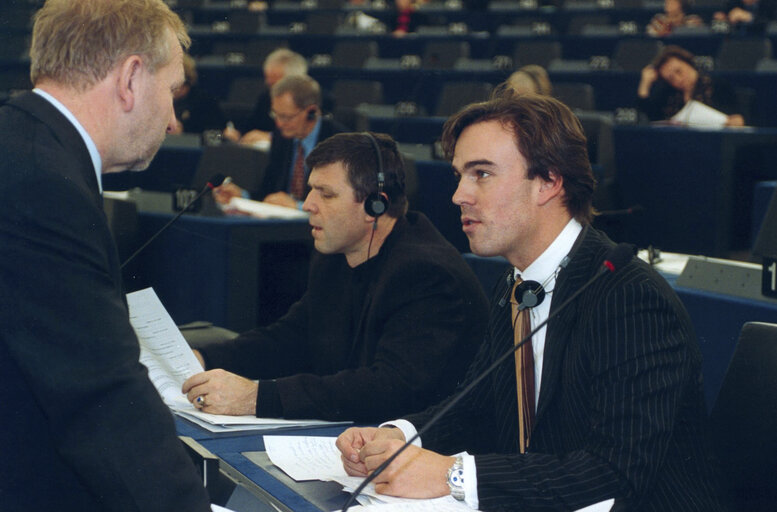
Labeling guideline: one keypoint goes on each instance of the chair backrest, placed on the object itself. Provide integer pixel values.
(536, 52)
(635, 54)
(742, 54)
(455, 95)
(243, 164)
(443, 54)
(353, 53)
(350, 93)
(743, 420)
(575, 95)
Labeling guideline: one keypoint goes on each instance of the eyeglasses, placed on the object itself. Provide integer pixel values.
(284, 118)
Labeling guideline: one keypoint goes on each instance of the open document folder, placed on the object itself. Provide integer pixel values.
(170, 361)
(317, 458)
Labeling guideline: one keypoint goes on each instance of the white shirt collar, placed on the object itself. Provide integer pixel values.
(545, 266)
(90, 145)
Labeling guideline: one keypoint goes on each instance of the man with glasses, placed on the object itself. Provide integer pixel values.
(299, 126)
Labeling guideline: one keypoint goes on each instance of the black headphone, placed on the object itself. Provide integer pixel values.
(377, 203)
(529, 294)
(311, 113)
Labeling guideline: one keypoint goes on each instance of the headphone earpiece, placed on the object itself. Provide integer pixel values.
(311, 114)
(529, 294)
(378, 202)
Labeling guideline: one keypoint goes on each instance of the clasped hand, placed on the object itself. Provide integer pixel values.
(415, 473)
(221, 392)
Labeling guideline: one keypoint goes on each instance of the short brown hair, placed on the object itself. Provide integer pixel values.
(548, 135)
(303, 89)
(358, 156)
(78, 42)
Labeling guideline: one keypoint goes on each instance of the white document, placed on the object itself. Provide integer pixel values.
(170, 361)
(264, 210)
(317, 458)
(163, 349)
(696, 113)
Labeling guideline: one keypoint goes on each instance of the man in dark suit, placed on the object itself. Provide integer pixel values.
(616, 376)
(296, 108)
(391, 307)
(83, 427)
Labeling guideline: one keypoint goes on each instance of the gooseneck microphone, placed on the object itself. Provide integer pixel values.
(615, 258)
(212, 183)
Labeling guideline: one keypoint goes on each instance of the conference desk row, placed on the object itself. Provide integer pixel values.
(259, 486)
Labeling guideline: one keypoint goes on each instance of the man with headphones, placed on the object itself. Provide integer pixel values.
(299, 126)
(391, 308)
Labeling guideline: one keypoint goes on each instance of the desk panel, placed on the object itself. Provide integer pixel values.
(695, 185)
(236, 272)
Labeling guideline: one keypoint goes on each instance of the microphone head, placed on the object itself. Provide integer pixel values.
(216, 180)
(618, 256)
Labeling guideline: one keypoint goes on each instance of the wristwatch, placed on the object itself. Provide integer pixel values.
(456, 479)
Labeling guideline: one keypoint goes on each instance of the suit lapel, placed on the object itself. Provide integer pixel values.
(561, 328)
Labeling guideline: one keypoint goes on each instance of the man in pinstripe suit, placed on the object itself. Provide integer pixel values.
(619, 411)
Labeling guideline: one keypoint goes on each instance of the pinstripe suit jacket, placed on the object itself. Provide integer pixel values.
(620, 412)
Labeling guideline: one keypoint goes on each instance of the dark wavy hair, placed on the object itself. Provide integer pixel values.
(548, 135)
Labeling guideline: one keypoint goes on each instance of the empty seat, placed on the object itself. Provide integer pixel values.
(323, 22)
(246, 22)
(742, 54)
(353, 53)
(536, 52)
(455, 95)
(575, 95)
(351, 93)
(579, 21)
(443, 54)
(635, 54)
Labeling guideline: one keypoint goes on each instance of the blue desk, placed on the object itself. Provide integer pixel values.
(236, 272)
(264, 487)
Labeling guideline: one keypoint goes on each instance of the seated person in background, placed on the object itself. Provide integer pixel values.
(407, 18)
(606, 401)
(258, 128)
(748, 16)
(530, 79)
(674, 15)
(195, 109)
(391, 318)
(672, 79)
(296, 108)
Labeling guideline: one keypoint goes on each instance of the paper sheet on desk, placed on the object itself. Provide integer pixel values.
(264, 210)
(696, 113)
(170, 361)
(317, 458)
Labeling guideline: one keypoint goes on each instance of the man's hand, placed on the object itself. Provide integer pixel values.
(281, 199)
(415, 473)
(353, 440)
(225, 193)
(221, 392)
(255, 136)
